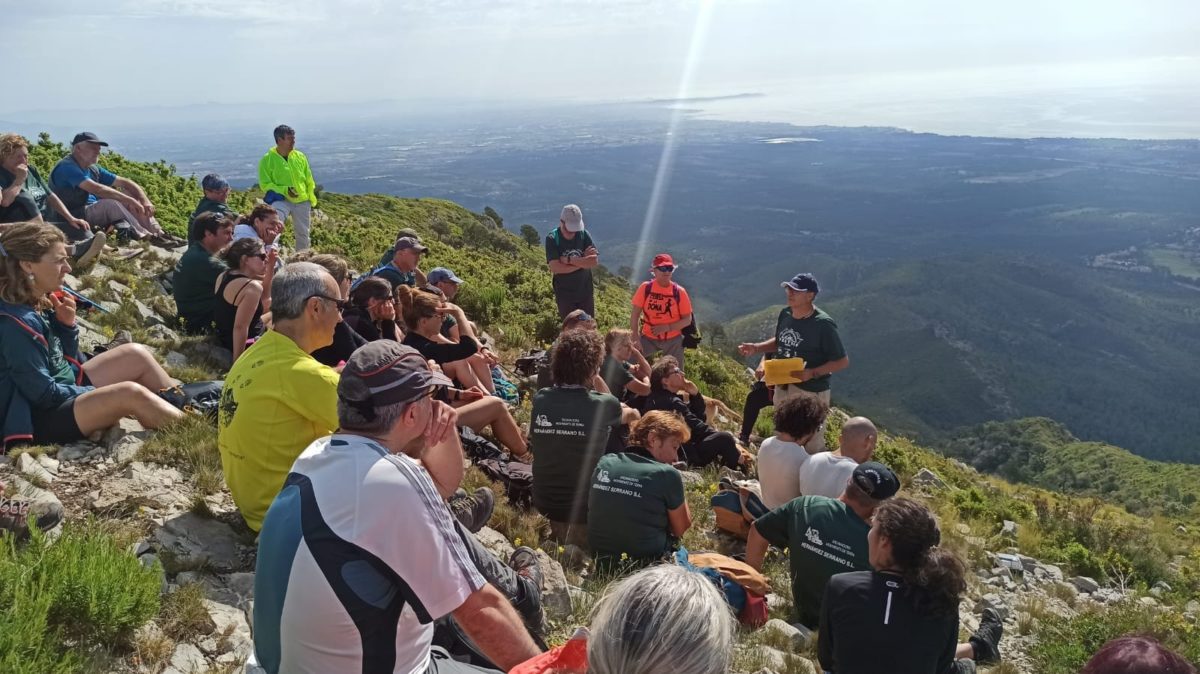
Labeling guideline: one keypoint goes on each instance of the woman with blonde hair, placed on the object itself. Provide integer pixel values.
(647, 514)
(422, 313)
(49, 393)
(624, 381)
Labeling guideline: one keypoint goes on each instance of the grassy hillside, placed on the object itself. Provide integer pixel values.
(939, 345)
(1042, 452)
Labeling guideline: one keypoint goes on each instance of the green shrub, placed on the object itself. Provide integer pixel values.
(70, 601)
(1065, 645)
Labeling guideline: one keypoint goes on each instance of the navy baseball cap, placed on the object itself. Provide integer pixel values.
(87, 137)
(439, 274)
(876, 479)
(804, 283)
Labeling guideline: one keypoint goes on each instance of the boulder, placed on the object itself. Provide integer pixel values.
(49, 463)
(962, 529)
(75, 452)
(691, 478)
(797, 635)
(1009, 529)
(162, 333)
(147, 315)
(146, 485)
(556, 592)
(232, 628)
(196, 541)
(1052, 571)
(119, 289)
(495, 542)
(928, 479)
(994, 602)
(187, 659)
(1085, 584)
(175, 359)
(30, 467)
(1148, 601)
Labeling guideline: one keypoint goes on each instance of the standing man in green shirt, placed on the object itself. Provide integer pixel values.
(804, 331)
(824, 536)
(571, 254)
(287, 183)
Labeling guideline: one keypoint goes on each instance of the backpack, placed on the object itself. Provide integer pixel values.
(736, 507)
(691, 334)
(747, 603)
(527, 365)
(499, 466)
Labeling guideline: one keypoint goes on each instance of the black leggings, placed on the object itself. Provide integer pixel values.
(716, 446)
(758, 398)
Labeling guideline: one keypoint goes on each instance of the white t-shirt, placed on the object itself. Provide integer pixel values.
(826, 474)
(779, 463)
(358, 556)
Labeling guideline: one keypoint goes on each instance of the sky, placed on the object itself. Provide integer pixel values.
(835, 57)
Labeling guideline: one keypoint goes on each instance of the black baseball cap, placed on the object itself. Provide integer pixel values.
(384, 372)
(87, 137)
(874, 478)
(804, 283)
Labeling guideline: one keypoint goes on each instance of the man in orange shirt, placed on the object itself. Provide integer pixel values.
(663, 309)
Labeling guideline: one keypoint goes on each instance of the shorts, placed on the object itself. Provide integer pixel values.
(57, 425)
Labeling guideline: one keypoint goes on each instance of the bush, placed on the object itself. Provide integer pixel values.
(1065, 646)
(67, 602)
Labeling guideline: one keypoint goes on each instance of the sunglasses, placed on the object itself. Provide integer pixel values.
(665, 268)
(261, 256)
(340, 303)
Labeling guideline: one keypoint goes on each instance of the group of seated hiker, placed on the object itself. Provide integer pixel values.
(50, 391)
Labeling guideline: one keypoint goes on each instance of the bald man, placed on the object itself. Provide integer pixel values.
(826, 473)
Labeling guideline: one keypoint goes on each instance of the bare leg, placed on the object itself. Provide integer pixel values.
(483, 372)
(97, 410)
(462, 371)
(492, 411)
(964, 651)
(128, 362)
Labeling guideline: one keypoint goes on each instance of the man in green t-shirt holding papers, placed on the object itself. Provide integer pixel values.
(804, 331)
(824, 536)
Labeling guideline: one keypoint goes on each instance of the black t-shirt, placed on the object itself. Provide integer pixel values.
(869, 617)
(579, 282)
(616, 375)
(441, 353)
(345, 341)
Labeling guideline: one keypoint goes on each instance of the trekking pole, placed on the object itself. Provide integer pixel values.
(85, 302)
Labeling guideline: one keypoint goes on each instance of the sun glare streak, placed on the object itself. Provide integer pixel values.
(662, 176)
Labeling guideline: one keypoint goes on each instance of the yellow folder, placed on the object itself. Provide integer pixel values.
(779, 371)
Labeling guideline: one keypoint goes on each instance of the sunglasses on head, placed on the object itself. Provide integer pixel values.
(665, 268)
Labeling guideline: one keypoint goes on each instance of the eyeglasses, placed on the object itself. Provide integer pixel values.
(340, 303)
(667, 269)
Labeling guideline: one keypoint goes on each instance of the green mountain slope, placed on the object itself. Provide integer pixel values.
(937, 345)
(1044, 453)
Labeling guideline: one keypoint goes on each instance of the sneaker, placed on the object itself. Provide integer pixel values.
(128, 253)
(473, 511)
(14, 515)
(986, 639)
(86, 252)
(525, 562)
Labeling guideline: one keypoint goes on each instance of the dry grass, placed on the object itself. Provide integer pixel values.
(183, 615)
(190, 445)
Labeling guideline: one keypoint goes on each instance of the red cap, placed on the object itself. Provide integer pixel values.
(663, 260)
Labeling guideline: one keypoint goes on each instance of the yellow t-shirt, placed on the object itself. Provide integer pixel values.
(277, 400)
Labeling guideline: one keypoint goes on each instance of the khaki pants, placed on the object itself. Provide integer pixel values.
(301, 219)
(787, 391)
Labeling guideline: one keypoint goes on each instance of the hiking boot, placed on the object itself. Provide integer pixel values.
(15, 511)
(525, 562)
(86, 252)
(128, 253)
(473, 511)
(986, 639)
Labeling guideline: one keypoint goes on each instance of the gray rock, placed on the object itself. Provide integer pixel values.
(928, 479)
(232, 626)
(71, 282)
(556, 593)
(30, 467)
(1012, 562)
(5, 460)
(774, 658)
(100, 271)
(124, 427)
(691, 478)
(175, 359)
(994, 602)
(162, 333)
(187, 659)
(1162, 586)
(1106, 595)
(1192, 608)
(1052, 571)
(119, 288)
(196, 541)
(1085, 584)
(963, 529)
(798, 635)
(75, 452)
(126, 449)
(1009, 529)
(495, 542)
(1148, 601)
(146, 314)
(49, 463)
(1001, 572)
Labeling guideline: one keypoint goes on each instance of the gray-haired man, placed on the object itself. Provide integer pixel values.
(359, 554)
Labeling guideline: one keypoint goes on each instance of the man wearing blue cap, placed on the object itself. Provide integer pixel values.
(804, 331)
(216, 193)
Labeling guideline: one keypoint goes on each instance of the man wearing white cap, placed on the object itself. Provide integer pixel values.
(571, 254)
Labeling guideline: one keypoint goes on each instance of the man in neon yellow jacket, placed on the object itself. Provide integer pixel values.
(287, 183)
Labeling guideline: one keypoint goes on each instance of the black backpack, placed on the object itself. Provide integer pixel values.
(499, 466)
